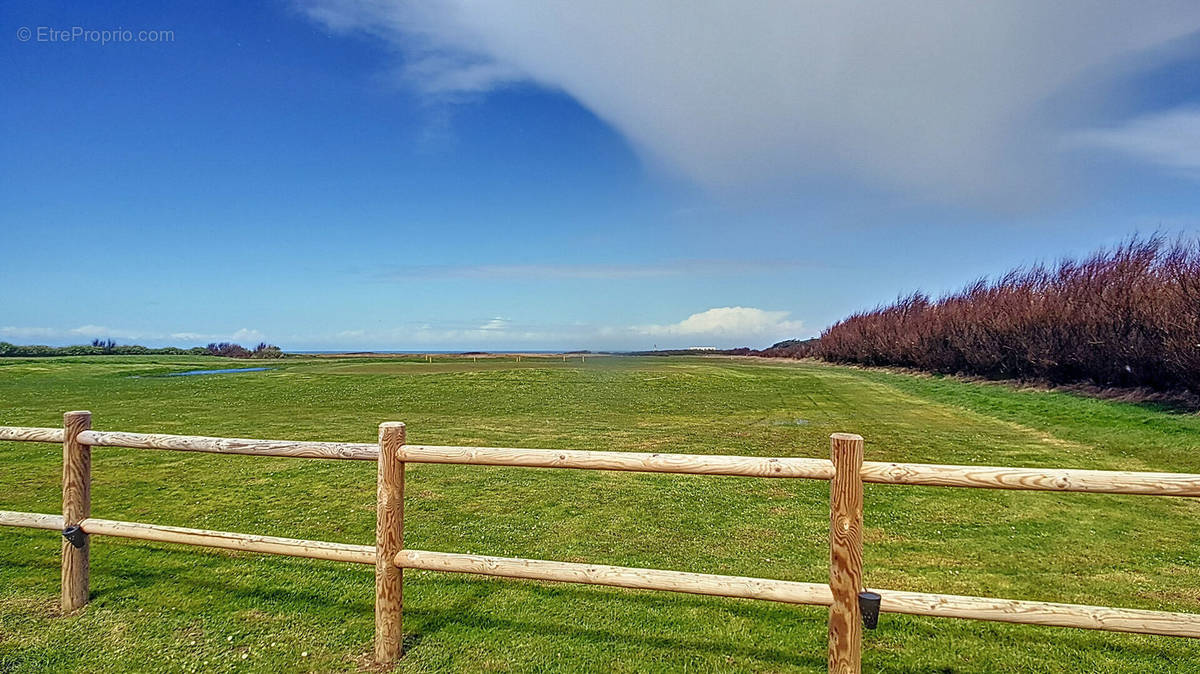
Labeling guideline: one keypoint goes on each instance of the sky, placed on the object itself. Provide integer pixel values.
(369, 175)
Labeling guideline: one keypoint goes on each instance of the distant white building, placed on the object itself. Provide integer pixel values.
(702, 348)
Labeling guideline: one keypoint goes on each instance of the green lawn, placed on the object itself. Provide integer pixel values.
(168, 608)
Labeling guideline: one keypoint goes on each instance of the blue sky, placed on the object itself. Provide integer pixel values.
(340, 174)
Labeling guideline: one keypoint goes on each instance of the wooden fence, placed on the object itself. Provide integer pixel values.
(850, 603)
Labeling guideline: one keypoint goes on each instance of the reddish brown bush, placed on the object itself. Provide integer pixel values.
(228, 350)
(1127, 316)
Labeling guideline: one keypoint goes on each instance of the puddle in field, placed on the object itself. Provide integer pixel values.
(190, 373)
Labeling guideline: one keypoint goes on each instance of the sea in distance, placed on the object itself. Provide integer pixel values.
(395, 352)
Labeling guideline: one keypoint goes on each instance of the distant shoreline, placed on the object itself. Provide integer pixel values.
(403, 352)
(521, 352)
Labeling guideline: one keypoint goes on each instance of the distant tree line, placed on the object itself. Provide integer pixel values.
(1125, 316)
(740, 351)
(228, 350)
(107, 347)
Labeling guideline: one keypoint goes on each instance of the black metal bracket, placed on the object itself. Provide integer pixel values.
(868, 605)
(75, 536)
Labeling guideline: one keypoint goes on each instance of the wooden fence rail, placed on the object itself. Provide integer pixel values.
(845, 594)
(930, 475)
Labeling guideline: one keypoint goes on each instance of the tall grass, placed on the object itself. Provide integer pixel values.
(1124, 316)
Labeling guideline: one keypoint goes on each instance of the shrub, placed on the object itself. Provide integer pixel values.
(1125, 316)
(788, 348)
(109, 347)
(264, 350)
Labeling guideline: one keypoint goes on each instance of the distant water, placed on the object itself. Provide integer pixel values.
(225, 371)
(419, 353)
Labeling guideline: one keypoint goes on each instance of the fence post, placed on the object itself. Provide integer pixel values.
(845, 553)
(76, 507)
(389, 540)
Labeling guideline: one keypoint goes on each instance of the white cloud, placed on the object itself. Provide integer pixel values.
(722, 326)
(729, 323)
(248, 335)
(1168, 139)
(595, 271)
(942, 100)
(101, 330)
(28, 332)
(517, 271)
(150, 337)
(89, 331)
(492, 332)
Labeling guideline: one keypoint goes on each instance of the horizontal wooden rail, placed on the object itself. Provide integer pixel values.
(273, 545)
(792, 592)
(77, 441)
(930, 475)
(31, 520)
(1041, 613)
(696, 464)
(195, 443)
(1035, 479)
(30, 434)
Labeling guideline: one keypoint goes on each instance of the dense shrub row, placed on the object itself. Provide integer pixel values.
(104, 347)
(94, 349)
(789, 348)
(228, 350)
(1126, 316)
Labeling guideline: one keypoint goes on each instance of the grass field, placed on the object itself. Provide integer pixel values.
(167, 608)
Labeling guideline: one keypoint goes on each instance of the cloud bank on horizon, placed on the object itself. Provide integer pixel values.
(84, 333)
(729, 323)
(721, 326)
(964, 103)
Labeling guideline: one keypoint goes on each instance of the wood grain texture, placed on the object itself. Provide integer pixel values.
(272, 545)
(932, 475)
(31, 520)
(76, 507)
(30, 434)
(845, 554)
(695, 464)
(894, 601)
(196, 443)
(619, 576)
(791, 592)
(1035, 479)
(1041, 613)
(389, 540)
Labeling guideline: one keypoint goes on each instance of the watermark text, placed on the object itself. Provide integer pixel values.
(84, 35)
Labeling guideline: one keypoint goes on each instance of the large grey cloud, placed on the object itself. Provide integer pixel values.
(1168, 139)
(944, 101)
